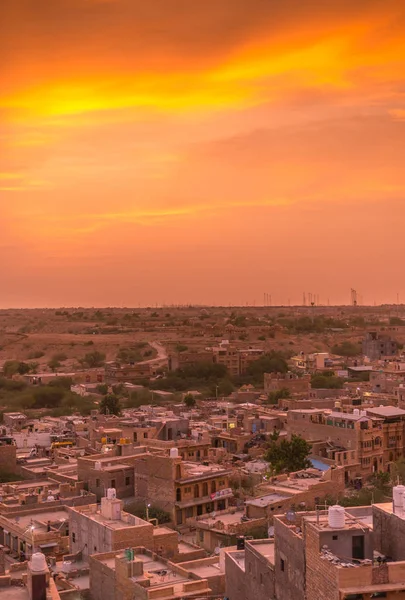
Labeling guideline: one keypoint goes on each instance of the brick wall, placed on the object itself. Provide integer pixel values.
(235, 580)
(321, 575)
(8, 458)
(260, 574)
(289, 562)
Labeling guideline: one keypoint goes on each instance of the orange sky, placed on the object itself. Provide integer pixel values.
(175, 151)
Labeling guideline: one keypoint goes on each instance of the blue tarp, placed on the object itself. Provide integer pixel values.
(317, 464)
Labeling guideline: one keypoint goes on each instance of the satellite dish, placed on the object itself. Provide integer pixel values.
(270, 531)
(290, 516)
(217, 550)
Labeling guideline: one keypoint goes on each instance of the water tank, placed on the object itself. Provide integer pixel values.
(174, 453)
(50, 498)
(66, 566)
(336, 517)
(97, 465)
(398, 497)
(356, 412)
(38, 562)
(111, 494)
(363, 413)
(338, 405)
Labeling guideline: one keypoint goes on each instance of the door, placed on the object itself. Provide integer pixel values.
(358, 547)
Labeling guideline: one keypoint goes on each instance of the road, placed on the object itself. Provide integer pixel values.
(161, 355)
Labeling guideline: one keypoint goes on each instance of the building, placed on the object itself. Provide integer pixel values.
(293, 383)
(352, 440)
(96, 530)
(377, 346)
(249, 571)
(117, 373)
(183, 489)
(15, 420)
(139, 574)
(335, 555)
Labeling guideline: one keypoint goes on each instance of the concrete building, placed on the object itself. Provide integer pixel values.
(352, 440)
(96, 530)
(377, 346)
(183, 489)
(288, 381)
(337, 556)
(250, 573)
(139, 574)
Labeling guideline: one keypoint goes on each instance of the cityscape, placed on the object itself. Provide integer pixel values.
(202, 300)
(244, 452)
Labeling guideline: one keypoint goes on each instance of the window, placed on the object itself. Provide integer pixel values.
(189, 512)
(73, 537)
(97, 483)
(334, 537)
(261, 579)
(112, 483)
(145, 434)
(187, 490)
(95, 548)
(127, 480)
(282, 565)
(196, 491)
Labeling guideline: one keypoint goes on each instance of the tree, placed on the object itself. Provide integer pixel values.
(274, 397)
(48, 397)
(93, 359)
(325, 382)
(59, 356)
(346, 348)
(189, 400)
(61, 382)
(288, 455)
(398, 470)
(110, 405)
(181, 348)
(53, 365)
(12, 367)
(272, 362)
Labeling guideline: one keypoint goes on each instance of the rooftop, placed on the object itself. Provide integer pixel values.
(387, 411)
(265, 548)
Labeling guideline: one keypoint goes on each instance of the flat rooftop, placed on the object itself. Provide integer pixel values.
(122, 523)
(387, 411)
(40, 520)
(205, 571)
(226, 519)
(265, 548)
(268, 499)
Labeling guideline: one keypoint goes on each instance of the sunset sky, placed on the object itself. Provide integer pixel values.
(174, 151)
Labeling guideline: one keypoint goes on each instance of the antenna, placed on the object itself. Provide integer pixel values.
(353, 294)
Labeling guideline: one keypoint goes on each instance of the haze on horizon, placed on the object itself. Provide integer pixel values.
(201, 152)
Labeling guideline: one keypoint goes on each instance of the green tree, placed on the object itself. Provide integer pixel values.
(326, 382)
(110, 404)
(102, 388)
(274, 397)
(59, 356)
(47, 397)
(288, 456)
(128, 355)
(272, 362)
(12, 367)
(181, 348)
(61, 382)
(53, 365)
(346, 348)
(93, 359)
(189, 400)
